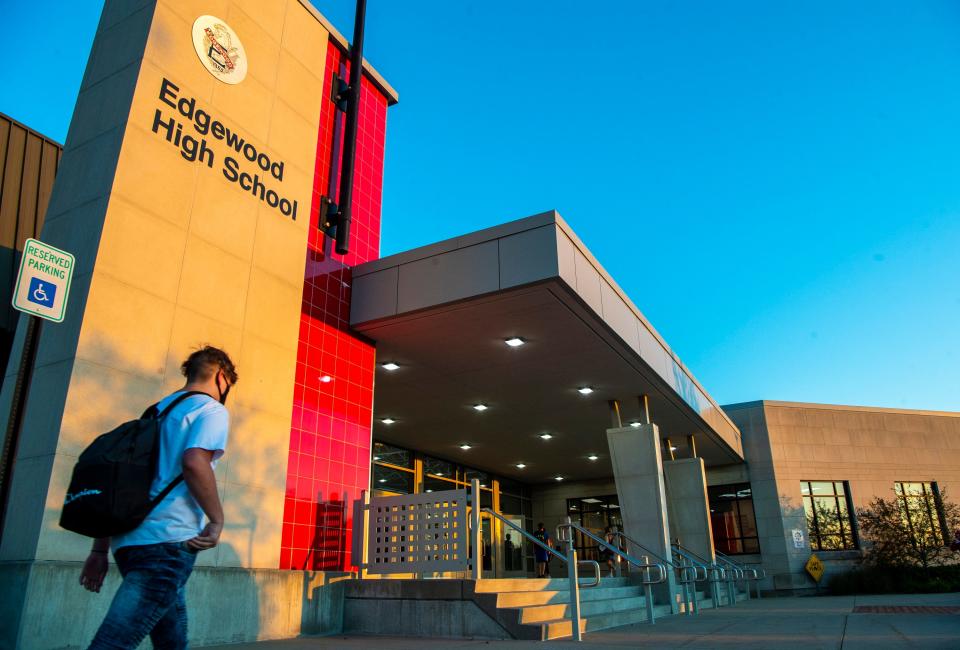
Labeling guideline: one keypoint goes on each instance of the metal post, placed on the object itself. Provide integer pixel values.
(644, 408)
(574, 592)
(731, 591)
(615, 420)
(21, 393)
(696, 605)
(475, 532)
(648, 590)
(692, 445)
(684, 586)
(670, 449)
(365, 551)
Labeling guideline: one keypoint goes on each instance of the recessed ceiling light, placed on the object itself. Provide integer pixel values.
(428, 490)
(376, 458)
(390, 365)
(585, 390)
(438, 473)
(520, 465)
(636, 424)
(592, 457)
(383, 480)
(465, 446)
(672, 448)
(546, 436)
(326, 379)
(514, 342)
(557, 478)
(387, 420)
(480, 407)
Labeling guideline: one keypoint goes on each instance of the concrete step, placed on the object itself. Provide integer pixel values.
(528, 598)
(588, 609)
(500, 585)
(561, 628)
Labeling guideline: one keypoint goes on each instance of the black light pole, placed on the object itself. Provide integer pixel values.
(345, 204)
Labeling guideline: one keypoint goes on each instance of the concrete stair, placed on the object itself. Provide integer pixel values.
(540, 609)
(534, 609)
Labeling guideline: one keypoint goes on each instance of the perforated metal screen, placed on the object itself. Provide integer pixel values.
(418, 533)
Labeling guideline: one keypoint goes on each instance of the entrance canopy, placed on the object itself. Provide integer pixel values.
(443, 314)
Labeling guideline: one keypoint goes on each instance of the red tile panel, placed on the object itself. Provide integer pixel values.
(329, 457)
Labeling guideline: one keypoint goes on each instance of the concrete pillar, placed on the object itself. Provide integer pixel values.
(638, 472)
(689, 510)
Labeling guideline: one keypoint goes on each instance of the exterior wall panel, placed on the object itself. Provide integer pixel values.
(869, 448)
(328, 462)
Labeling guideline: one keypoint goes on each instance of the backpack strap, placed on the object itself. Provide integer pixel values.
(154, 410)
(179, 398)
(160, 415)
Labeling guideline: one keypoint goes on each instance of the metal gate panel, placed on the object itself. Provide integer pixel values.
(414, 533)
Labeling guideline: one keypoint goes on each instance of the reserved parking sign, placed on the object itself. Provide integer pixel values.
(43, 283)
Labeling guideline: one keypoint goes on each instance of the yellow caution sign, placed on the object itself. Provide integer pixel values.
(814, 567)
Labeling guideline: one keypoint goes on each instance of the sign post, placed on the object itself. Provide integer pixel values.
(41, 292)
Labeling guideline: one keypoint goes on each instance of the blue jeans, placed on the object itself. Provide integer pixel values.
(150, 600)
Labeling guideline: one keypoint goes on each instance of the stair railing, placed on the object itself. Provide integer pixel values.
(719, 573)
(648, 579)
(748, 572)
(570, 559)
(688, 571)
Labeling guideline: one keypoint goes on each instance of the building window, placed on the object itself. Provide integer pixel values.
(829, 523)
(732, 518)
(393, 470)
(920, 506)
(594, 514)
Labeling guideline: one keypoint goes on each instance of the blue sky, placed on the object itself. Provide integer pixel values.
(776, 185)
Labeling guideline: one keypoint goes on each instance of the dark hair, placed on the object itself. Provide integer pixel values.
(540, 525)
(202, 364)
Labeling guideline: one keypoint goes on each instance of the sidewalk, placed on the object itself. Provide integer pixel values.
(811, 622)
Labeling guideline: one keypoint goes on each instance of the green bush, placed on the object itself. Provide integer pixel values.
(905, 580)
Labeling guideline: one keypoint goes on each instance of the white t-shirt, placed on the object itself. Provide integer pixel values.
(201, 422)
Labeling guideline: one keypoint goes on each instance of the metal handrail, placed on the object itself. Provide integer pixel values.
(720, 574)
(686, 581)
(682, 570)
(719, 571)
(571, 561)
(644, 565)
(546, 547)
(696, 564)
(723, 557)
(661, 569)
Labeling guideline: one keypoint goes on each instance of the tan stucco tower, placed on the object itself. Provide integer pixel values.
(176, 245)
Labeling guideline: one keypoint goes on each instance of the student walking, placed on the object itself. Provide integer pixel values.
(541, 555)
(157, 557)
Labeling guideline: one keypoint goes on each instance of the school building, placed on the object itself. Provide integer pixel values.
(481, 384)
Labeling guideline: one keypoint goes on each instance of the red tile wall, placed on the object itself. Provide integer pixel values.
(329, 457)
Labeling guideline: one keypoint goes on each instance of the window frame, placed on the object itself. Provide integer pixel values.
(740, 540)
(848, 527)
(930, 494)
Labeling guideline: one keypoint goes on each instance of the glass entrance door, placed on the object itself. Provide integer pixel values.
(490, 551)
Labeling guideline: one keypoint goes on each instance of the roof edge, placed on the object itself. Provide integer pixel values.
(839, 407)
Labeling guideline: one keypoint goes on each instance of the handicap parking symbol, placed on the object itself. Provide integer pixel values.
(41, 292)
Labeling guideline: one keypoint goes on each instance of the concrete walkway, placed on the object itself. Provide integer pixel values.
(811, 622)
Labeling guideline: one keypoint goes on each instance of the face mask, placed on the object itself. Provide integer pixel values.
(223, 394)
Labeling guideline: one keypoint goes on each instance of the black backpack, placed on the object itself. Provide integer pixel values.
(109, 491)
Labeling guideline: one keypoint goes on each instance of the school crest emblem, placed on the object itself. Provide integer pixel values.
(219, 49)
